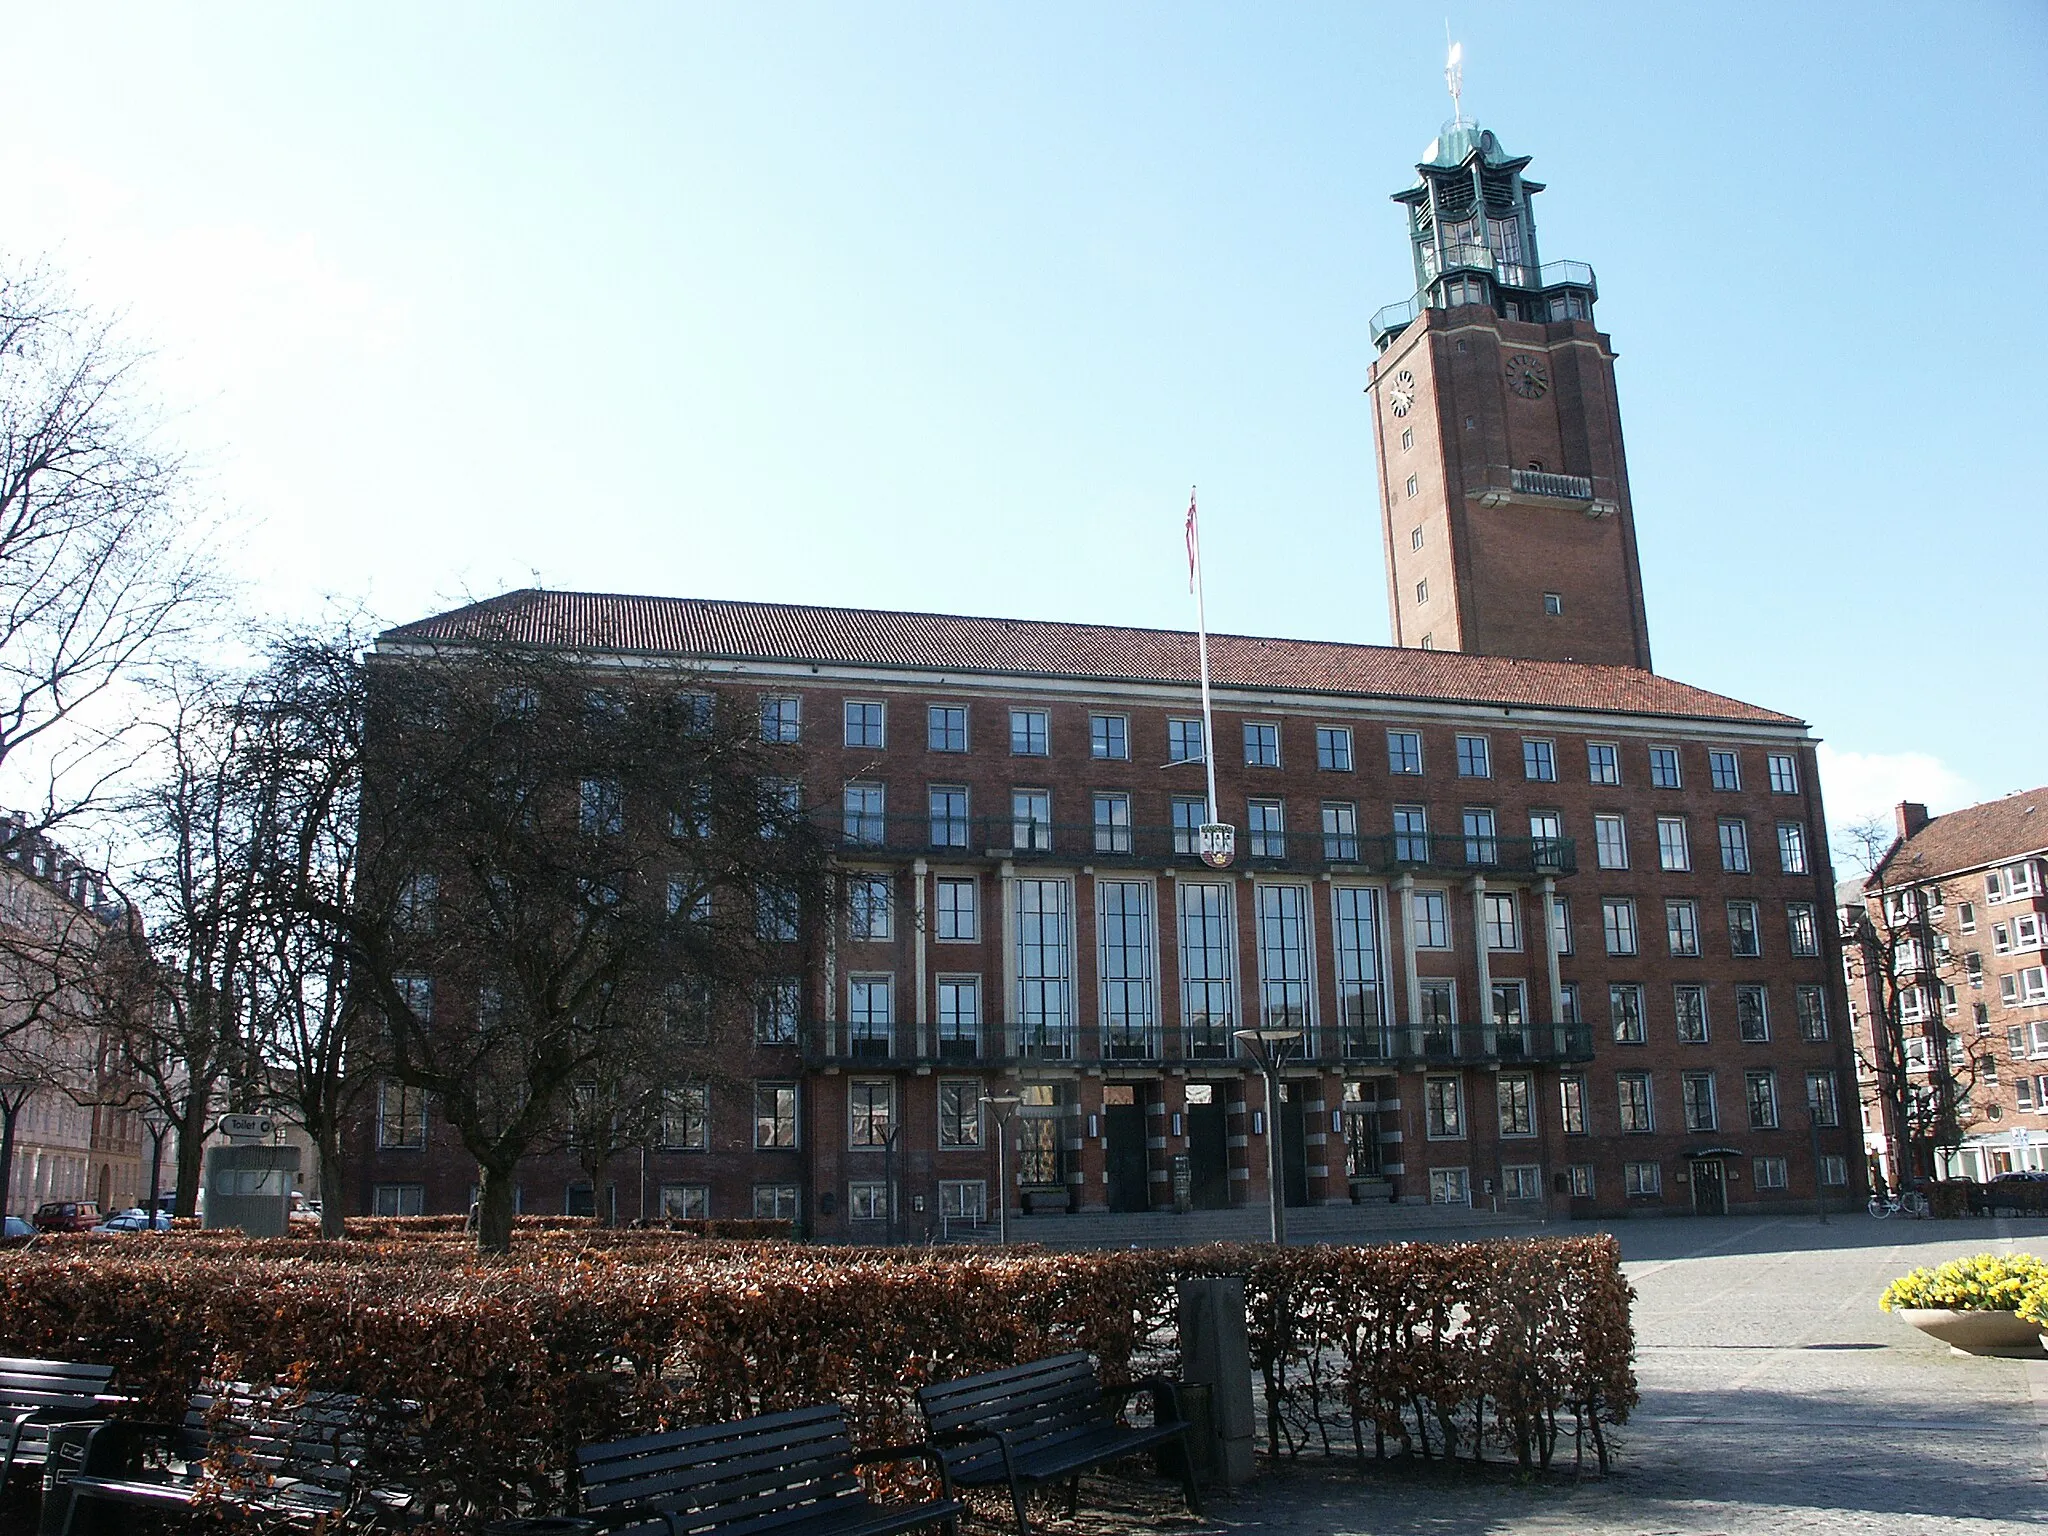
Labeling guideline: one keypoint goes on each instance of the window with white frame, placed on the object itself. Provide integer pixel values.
(1207, 970)
(1045, 966)
(959, 1112)
(1431, 919)
(1618, 924)
(778, 1005)
(963, 1200)
(2026, 931)
(1283, 948)
(1112, 823)
(1266, 827)
(1743, 940)
(601, 808)
(1503, 920)
(1109, 737)
(1811, 1004)
(949, 815)
(1571, 1103)
(1664, 768)
(1760, 1089)
(1031, 819)
(1784, 773)
(1625, 1007)
(1769, 1172)
(865, 723)
(1834, 1170)
(946, 728)
(1184, 742)
(1673, 851)
(1581, 1176)
(866, 823)
(401, 1116)
(1261, 744)
(1802, 919)
(1723, 771)
(1820, 1097)
(1515, 1093)
(782, 719)
(1450, 1186)
(1127, 975)
(775, 1116)
(1411, 834)
(1029, 733)
(870, 1111)
(1521, 1181)
(1340, 832)
(1632, 1093)
(1474, 759)
(1610, 842)
(1356, 931)
(1734, 845)
(775, 1202)
(1792, 847)
(867, 1200)
(686, 1117)
(1603, 762)
(1689, 1003)
(1696, 1095)
(1966, 916)
(1510, 1008)
(1753, 1013)
(1682, 926)
(1539, 760)
(959, 1016)
(1333, 748)
(1643, 1179)
(1188, 818)
(871, 1013)
(2021, 880)
(1404, 752)
(2034, 985)
(1443, 1108)
(958, 918)
(1481, 845)
(1561, 923)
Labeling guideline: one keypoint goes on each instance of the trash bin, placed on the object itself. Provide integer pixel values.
(67, 1455)
(1194, 1407)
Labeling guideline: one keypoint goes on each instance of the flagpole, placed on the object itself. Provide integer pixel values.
(1202, 651)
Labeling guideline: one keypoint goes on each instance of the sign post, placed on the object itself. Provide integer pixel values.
(1218, 839)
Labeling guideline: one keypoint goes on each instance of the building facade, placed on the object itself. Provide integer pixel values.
(1556, 935)
(1547, 932)
(1956, 914)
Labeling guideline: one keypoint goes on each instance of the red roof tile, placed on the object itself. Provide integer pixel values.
(1972, 837)
(711, 629)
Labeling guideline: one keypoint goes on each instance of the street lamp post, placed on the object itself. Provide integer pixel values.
(1820, 1199)
(1005, 1105)
(156, 1122)
(1268, 1047)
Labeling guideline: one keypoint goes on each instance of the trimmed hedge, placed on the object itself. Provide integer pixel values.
(505, 1366)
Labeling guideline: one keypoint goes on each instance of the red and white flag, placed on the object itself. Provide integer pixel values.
(1194, 542)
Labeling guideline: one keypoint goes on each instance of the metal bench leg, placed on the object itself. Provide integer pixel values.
(1073, 1495)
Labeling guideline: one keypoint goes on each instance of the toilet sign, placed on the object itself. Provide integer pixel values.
(247, 1127)
(1217, 844)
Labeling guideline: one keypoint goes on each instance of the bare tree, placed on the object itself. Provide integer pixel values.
(557, 869)
(1923, 1072)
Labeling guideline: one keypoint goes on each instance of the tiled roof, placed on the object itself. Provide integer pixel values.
(715, 630)
(1975, 836)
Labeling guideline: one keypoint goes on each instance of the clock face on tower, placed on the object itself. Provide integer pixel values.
(1404, 392)
(1526, 376)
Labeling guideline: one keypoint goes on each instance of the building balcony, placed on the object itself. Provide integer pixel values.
(1537, 482)
(1004, 838)
(1565, 289)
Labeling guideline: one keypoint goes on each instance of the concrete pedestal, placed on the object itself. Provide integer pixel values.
(1215, 1352)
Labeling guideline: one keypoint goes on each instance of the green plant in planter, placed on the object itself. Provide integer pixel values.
(1984, 1282)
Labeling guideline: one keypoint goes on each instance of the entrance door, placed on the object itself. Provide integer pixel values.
(1709, 1194)
(1293, 1144)
(1124, 1124)
(1208, 1152)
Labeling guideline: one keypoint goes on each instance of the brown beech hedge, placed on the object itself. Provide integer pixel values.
(487, 1374)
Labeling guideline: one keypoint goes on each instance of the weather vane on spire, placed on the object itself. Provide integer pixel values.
(1454, 77)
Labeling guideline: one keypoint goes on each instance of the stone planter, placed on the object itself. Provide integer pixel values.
(1978, 1333)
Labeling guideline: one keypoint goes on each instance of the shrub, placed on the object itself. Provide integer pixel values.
(506, 1365)
(1985, 1282)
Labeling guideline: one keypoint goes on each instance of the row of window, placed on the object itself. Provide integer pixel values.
(1635, 1102)
(687, 1202)
(2012, 882)
(1453, 1186)
(684, 1123)
(1030, 734)
(1674, 844)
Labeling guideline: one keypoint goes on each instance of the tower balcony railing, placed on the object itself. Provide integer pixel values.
(1551, 277)
(1024, 839)
(1541, 482)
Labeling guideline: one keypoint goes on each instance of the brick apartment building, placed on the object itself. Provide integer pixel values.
(1958, 911)
(1555, 931)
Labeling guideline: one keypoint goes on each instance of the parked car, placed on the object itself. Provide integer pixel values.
(66, 1216)
(2022, 1176)
(18, 1233)
(135, 1220)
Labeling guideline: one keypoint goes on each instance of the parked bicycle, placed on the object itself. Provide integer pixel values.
(1908, 1204)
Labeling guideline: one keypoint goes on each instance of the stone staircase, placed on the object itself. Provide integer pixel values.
(1373, 1223)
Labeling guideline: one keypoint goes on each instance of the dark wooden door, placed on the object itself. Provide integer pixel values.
(1208, 1157)
(1709, 1193)
(1129, 1188)
(1293, 1145)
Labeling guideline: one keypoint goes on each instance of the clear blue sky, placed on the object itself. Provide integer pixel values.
(946, 306)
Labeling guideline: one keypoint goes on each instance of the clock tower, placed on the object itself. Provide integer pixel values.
(1503, 487)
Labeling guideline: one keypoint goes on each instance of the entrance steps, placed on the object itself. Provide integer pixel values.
(1370, 1223)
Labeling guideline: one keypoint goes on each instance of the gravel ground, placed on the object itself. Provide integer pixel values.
(1777, 1401)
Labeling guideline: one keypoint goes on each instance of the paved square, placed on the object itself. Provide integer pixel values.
(1777, 1401)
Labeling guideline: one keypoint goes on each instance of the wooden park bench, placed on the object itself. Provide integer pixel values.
(35, 1394)
(290, 1456)
(790, 1472)
(1045, 1422)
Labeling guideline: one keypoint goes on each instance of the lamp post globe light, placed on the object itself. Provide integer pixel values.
(156, 1123)
(1268, 1047)
(1004, 1105)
